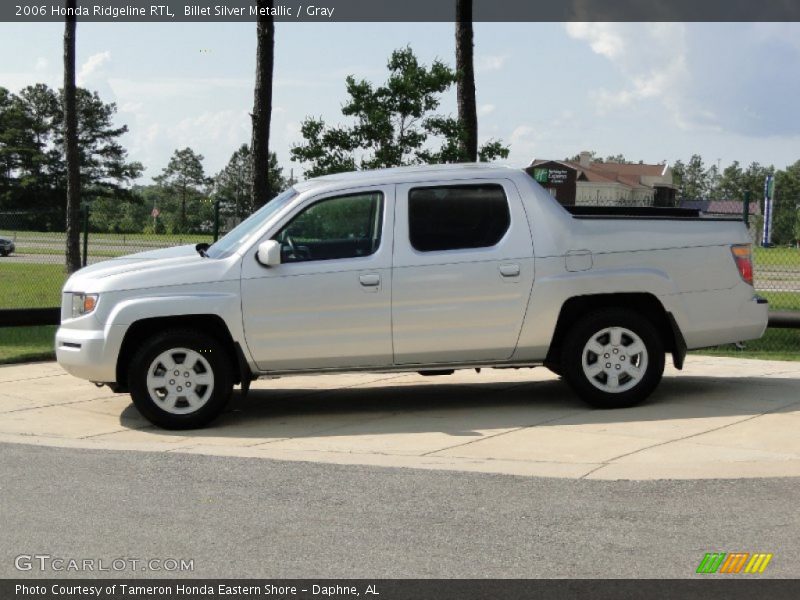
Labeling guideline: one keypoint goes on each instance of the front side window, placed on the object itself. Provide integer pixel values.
(457, 217)
(342, 227)
(240, 235)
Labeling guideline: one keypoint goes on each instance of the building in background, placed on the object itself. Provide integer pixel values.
(605, 183)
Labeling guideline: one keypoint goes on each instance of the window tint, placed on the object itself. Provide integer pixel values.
(343, 227)
(453, 217)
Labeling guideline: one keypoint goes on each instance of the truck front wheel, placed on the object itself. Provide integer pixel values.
(180, 379)
(613, 358)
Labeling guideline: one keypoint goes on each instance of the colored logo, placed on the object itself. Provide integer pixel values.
(734, 562)
(541, 175)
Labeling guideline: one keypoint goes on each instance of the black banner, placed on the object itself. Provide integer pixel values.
(407, 10)
(710, 588)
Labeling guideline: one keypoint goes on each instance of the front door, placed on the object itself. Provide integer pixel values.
(327, 305)
(462, 273)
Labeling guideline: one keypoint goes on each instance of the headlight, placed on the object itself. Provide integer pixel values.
(83, 304)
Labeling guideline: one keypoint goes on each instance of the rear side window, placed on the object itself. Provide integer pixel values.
(457, 217)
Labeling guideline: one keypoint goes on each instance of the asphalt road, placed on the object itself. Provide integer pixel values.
(262, 518)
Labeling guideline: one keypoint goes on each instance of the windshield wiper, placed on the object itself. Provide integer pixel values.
(201, 249)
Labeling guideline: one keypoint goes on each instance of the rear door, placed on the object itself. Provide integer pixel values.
(462, 271)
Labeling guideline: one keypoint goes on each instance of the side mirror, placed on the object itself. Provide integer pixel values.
(269, 253)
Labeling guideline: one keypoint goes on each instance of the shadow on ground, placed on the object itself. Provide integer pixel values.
(463, 410)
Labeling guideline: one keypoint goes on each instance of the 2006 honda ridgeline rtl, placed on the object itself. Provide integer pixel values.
(424, 269)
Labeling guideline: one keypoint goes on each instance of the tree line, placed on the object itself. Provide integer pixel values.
(69, 179)
(695, 180)
(392, 124)
(33, 174)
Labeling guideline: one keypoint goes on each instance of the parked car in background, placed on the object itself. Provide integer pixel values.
(426, 269)
(6, 246)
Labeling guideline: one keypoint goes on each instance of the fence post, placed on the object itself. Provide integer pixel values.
(746, 210)
(216, 220)
(85, 215)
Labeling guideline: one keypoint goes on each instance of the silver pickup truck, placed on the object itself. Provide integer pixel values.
(426, 269)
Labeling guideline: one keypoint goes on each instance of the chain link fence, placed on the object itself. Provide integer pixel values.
(777, 267)
(32, 251)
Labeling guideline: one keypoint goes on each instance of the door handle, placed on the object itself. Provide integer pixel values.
(511, 270)
(370, 279)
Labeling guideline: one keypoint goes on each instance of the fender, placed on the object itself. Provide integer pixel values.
(550, 292)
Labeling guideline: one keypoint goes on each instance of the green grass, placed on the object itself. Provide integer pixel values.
(776, 257)
(26, 344)
(24, 285)
(777, 344)
(782, 300)
(112, 238)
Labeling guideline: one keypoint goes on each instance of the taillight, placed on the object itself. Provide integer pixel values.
(743, 257)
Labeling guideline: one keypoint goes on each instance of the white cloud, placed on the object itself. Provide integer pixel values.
(226, 128)
(92, 65)
(490, 62)
(651, 57)
(41, 64)
(486, 109)
(603, 38)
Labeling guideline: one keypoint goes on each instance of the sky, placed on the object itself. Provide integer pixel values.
(650, 91)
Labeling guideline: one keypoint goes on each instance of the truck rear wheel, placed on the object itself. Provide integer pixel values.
(180, 379)
(613, 358)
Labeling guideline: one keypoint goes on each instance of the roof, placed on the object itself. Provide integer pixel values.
(627, 174)
(405, 174)
(630, 169)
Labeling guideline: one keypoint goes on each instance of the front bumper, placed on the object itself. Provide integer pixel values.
(88, 354)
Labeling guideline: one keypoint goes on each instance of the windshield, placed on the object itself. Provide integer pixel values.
(240, 234)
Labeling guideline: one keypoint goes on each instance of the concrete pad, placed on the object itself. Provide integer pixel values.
(65, 422)
(552, 444)
(777, 432)
(719, 417)
(35, 370)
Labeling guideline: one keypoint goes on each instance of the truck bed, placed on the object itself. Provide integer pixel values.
(643, 212)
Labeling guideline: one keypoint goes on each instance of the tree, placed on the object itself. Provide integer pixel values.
(33, 171)
(395, 124)
(694, 179)
(465, 85)
(105, 170)
(15, 138)
(232, 184)
(731, 184)
(73, 254)
(262, 103)
(183, 178)
(754, 178)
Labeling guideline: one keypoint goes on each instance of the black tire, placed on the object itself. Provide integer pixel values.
(632, 389)
(211, 353)
(3, 253)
